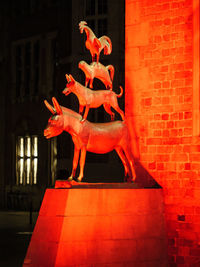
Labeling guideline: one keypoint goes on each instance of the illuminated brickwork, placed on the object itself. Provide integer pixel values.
(159, 106)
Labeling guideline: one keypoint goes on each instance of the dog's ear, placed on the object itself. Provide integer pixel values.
(67, 78)
(71, 79)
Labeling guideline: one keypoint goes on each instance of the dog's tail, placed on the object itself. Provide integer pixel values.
(121, 93)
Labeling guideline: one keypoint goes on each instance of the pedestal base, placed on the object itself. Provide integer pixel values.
(99, 227)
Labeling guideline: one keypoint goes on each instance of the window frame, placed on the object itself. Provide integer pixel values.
(23, 93)
(27, 160)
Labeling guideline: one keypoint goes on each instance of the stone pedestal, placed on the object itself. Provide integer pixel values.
(99, 226)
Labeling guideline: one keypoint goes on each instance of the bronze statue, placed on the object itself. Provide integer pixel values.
(97, 70)
(93, 98)
(94, 44)
(98, 138)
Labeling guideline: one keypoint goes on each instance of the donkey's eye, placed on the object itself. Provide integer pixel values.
(54, 118)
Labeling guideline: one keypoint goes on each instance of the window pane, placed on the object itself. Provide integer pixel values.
(90, 7)
(36, 58)
(18, 57)
(28, 54)
(35, 166)
(28, 170)
(36, 53)
(102, 6)
(21, 170)
(35, 146)
(18, 70)
(27, 68)
(21, 147)
(102, 27)
(28, 146)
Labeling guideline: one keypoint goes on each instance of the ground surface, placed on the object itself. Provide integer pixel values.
(15, 234)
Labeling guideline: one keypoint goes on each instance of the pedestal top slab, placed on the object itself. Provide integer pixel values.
(63, 184)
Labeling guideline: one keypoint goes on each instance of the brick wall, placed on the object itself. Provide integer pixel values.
(159, 109)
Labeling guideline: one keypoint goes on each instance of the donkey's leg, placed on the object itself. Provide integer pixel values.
(109, 111)
(75, 163)
(129, 157)
(85, 113)
(123, 159)
(82, 163)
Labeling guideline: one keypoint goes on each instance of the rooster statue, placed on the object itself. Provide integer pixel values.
(94, 44)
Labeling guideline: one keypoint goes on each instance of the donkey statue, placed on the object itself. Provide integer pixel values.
(93, 98)
(94, 44)
(98, 138)
(97, 70)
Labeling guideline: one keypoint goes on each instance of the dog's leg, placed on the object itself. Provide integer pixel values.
(85, 113)
(75, 163)
(81, 108)
(82, 164)
(91, 83)
(86, 81)
(93, 58)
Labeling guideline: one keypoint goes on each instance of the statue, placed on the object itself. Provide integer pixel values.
(94, 137)
(94, 44)
(97, 70)
(87, 136)
(93, 99)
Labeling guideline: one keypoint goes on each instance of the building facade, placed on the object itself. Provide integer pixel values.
(162, 104)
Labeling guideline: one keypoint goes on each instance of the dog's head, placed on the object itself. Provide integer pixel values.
(70, 84)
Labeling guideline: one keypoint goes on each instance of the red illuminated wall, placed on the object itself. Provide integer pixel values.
(162, 107)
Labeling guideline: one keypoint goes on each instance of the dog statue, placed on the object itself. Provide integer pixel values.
(93, 98)
(97, 70)
(98, 138)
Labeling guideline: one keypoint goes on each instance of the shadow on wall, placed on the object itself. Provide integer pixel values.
(143, 177)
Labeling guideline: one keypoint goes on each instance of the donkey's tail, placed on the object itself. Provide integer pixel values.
(121, 93)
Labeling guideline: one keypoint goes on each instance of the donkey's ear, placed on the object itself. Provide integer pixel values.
(50, 108)
(71, 78)
(57, 106)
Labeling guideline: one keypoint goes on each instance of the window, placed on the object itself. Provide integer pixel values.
(27, 160)
(96, 16)
(36, 62)
(27, 67)
(54, 60)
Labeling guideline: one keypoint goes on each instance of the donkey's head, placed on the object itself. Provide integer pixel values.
(55, 122)
(70, 84)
